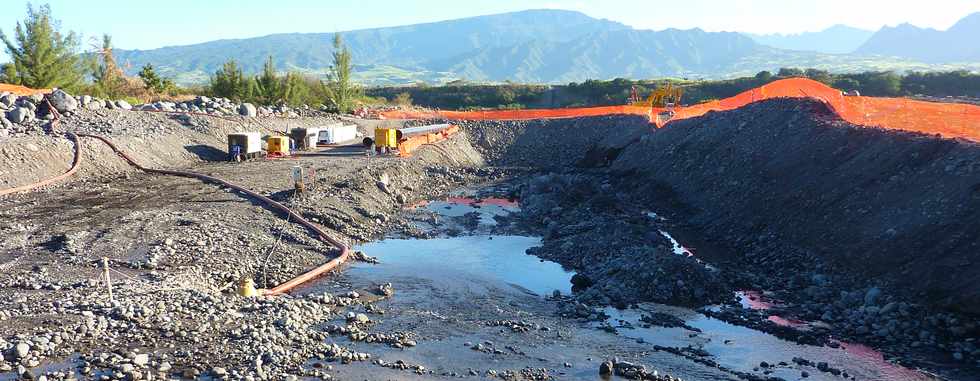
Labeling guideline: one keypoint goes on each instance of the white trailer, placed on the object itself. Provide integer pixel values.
(335, 134)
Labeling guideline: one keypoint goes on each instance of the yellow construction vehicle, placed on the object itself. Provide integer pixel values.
(664, 96)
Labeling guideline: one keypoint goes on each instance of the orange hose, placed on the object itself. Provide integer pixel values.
(71, 171)
(320, 234)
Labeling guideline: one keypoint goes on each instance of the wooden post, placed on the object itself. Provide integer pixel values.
(108, 282)
(298, 184)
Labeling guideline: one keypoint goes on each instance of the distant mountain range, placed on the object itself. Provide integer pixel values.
(541, 46)
(838, 39)
(959, 43)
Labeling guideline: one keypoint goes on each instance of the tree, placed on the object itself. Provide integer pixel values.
(343, 90)
(108, 77)
(269, 86)
(764, 76)
(151, 81)
(42, 56)
(819, 75)
(154, 83)
(403, 99)
(790, 72)
(8, 74)
(294, 89)
(229, 82)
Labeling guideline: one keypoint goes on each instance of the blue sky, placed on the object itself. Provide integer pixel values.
(147, 25)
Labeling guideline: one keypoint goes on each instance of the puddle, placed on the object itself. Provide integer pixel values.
(742, 348)
(487, 208)
(492, 259)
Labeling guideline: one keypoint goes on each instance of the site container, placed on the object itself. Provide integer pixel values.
(277, 146)
(244, 145)
(337, 134)
(386, 137)
(305, 138)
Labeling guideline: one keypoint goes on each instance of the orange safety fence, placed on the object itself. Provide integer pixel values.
(21, 90)
(951, 120)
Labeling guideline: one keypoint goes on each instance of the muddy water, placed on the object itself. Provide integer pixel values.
(449, 290)
(489, 259)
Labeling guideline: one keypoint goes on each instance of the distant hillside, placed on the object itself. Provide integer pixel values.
(956, 44)
(838, 39)
(406, 47)
(608, 54)
(539, 46)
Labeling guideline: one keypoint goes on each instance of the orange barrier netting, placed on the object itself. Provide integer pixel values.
(950, 120)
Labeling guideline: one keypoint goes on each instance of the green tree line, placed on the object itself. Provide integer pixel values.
(339, 92)
(460, 95)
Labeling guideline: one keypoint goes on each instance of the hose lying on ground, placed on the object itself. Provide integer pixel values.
(320, 234)
(280, 289)
(71, 171)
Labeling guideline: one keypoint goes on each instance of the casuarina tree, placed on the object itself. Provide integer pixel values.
(42, 55)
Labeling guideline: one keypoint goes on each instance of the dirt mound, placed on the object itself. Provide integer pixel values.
(546, 143)
(896, 205)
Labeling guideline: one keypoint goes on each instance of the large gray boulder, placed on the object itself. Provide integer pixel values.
(8, 100)
(20, 115)
(62, 101)
(247, 109)
(123, 105)
(6, 124)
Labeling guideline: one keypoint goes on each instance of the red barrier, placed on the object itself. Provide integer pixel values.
(946, 119)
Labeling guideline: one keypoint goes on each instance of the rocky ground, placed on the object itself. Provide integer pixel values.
(602, 192)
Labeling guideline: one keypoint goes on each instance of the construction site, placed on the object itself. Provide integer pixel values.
(793, 231)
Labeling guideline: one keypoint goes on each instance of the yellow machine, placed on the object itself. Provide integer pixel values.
(277, 146)
(664, 96)
(386, 138)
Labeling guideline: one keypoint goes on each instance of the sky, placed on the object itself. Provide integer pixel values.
(147, 25)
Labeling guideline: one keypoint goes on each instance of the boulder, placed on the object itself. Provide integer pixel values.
(8, 100)
(6, 124)
(85, 99)
(247, 109)
(123, 105)
(20, 115)
(94, 104)
(62, 101)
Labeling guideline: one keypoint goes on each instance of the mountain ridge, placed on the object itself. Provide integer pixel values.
(539, 46)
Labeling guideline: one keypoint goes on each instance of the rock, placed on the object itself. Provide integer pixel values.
(62, 101)
(85, 100)
(8, 100)
(21, 350)
(606, 368)
(219, 371)
(20, 115)
(123, 105)
(247, 109)
(362, 318)
(6, 124)
(871, 296)
(141, 359)
(94, 104)
(581, 281)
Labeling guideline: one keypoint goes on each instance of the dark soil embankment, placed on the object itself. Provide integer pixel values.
(786, 174)
(546, 143)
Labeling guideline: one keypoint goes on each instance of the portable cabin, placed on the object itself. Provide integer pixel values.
(335, 134)
(244, 145)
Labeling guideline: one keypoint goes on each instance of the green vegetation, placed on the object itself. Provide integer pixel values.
(341, 89)
(340, 93)
(42, 56)
(154, 83)
(461, 96)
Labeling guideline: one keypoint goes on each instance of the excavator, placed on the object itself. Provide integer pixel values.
(665, 97)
